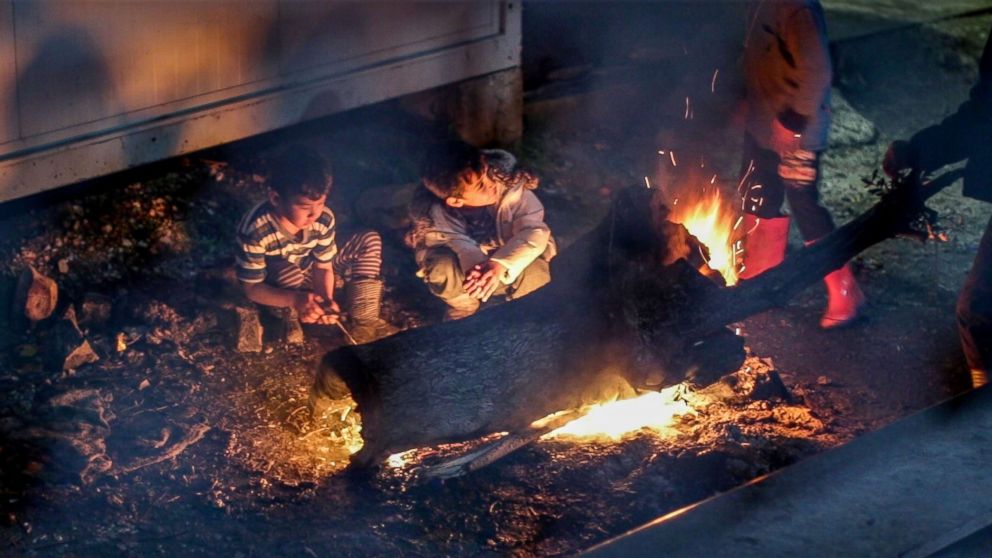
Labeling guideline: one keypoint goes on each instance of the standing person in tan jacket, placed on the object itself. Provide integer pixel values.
(787, 72)
(478, 229)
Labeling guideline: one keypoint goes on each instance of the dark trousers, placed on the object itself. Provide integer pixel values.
(974, 308)
(444, 276)
(764, 192)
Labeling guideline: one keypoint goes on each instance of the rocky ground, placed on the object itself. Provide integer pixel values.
(173, 441)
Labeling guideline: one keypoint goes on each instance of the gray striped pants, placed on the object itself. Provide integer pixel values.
(360, 256)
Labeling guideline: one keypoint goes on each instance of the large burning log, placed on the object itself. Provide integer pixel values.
(625, 305)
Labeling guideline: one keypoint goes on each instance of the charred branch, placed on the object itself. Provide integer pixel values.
(626, 306)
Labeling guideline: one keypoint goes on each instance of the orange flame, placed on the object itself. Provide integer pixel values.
(710, 216)
(656, 411)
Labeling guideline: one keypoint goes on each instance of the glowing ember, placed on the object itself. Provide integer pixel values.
(655, 411)
(399, 460)
(345, 424)
(710, 217)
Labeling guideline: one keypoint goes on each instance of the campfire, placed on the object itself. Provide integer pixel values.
(707, 213)
(703, 207)
(655, 411)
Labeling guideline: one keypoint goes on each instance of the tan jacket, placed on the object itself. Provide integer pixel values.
(522, 235)
(787, 70)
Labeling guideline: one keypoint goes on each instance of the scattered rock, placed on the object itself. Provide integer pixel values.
(67, 347)
(36, 295)
(74, 426)
(249, 338)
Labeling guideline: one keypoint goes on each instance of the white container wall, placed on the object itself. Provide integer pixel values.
(93, 87)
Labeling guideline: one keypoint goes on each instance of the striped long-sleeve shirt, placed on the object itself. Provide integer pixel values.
(261, 238)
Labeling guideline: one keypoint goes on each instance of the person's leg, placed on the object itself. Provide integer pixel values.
(360, 256)
(359, 262)
(761, 189)
(800, 177)
(974, 312)
(766, 230)
(533, 277)
(800, 173)
(444, 277)
(280, 273)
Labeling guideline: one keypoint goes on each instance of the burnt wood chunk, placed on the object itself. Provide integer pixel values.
(36, 295)
(626, 299)
(67, 348)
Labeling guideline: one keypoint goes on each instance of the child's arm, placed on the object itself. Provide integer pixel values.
(310, 306)
(450, 233)
(323, 286)
(483, 280)
(530, 238)
(251, 272)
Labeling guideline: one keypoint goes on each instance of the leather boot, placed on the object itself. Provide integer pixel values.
(461, 306)
(764, 244)
(363, 301)
(844, 298)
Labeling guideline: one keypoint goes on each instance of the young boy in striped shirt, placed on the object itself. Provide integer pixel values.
(289, 257)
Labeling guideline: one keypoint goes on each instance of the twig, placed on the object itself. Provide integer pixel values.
(351, 340)
(496, 450)
(312, 432)
(195, 435)
(293, 414)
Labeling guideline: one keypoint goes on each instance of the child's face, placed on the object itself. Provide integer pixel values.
(481, 192)
(299, 211)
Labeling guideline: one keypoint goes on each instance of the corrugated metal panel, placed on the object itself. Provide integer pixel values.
(8, 84)
(98, 86)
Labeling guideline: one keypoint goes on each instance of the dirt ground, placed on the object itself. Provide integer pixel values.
(173, 442)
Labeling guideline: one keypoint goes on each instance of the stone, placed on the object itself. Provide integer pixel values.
(249, 333)
(67, 348)
(36, 295)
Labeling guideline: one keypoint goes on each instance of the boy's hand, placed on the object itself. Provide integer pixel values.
(898, 158)
(483, 280)
(314, 309)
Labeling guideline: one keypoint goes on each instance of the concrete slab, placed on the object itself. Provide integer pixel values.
(849, 19)
(919, 487)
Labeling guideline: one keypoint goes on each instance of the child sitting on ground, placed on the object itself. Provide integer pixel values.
(478, 229)
(289, 257)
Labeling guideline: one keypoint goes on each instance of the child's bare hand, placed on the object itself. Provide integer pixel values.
(314, 309)
(483, 280)
(332, 312)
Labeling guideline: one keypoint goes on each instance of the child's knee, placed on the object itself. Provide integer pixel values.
(443, 273)
(533, 277)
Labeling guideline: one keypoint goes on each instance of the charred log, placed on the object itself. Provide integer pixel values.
(625, 301)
